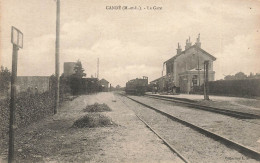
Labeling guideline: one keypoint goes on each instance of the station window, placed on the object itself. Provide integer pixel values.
(195, 80)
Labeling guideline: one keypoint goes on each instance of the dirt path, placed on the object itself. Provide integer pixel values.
(53, 139)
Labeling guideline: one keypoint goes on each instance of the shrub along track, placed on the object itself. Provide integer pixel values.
(228, 143)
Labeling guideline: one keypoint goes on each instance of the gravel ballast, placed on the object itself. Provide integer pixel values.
(238, 130)
(195, 146)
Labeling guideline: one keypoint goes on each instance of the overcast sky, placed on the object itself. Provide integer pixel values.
(131, 44)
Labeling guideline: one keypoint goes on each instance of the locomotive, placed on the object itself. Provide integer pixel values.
(137, 86)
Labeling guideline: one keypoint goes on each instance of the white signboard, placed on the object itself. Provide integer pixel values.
(17, 37)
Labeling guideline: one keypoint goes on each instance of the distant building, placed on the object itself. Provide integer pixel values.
(186, 69)
(68, 68)
(104, 83)
(33, 84)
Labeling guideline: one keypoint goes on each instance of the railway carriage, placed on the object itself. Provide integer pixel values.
(137, 86)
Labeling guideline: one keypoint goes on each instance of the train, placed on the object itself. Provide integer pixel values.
(137, 86)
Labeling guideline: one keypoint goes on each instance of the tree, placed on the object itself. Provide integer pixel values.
(237, 76)
(5, 78)
(240, 76)
(65, 84)
(79, 71)
(229, 77)
(251, 75)
(77, 84)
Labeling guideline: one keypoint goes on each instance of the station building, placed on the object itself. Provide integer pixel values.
(185, 70)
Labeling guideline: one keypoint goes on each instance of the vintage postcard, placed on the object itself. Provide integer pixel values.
(129, 81)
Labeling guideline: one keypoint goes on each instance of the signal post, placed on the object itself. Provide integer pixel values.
(17, 41)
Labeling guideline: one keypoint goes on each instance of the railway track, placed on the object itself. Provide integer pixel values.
(184, 159)
(164, 141)
(189, 103)
(246, 151)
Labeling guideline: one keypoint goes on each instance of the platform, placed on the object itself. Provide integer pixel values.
(233, 103)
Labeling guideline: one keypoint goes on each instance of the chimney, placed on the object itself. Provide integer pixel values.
(198, 43)
(179, 49)
(188, 43)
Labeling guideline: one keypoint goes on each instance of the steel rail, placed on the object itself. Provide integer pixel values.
(231, 113)
(247, 151)
(164, 141)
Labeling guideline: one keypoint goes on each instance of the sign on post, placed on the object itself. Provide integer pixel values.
(17, 41)
(17, 37)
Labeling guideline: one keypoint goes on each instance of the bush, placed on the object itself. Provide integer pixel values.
(97, 108)
(93, 120)
(29, 108)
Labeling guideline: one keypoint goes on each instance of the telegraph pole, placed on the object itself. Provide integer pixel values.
(57, 58)
(206, 79)
(98, 68)
(198, 65)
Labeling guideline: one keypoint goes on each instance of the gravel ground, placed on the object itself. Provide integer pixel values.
(132, 141)
(53, 139)
(238, 130)
(195, 146)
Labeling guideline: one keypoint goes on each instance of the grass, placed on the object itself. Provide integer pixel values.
(97, 108)
(93, 120)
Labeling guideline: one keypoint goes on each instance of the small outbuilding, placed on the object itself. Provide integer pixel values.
(104, 83)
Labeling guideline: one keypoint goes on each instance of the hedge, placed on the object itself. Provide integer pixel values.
(244, 88)
(29, 108)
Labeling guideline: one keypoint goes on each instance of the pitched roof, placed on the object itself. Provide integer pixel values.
(104, 80)
(157, 79)
(183, 52)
